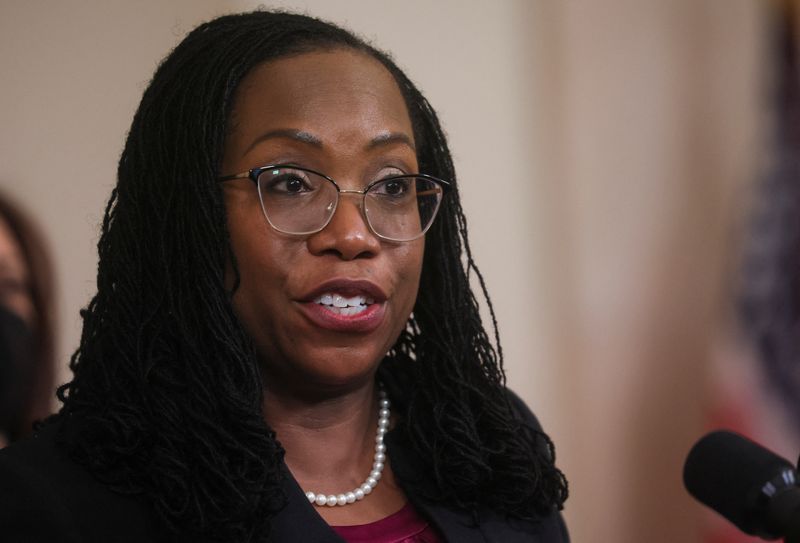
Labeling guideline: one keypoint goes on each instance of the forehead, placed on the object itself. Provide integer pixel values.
(338, 95)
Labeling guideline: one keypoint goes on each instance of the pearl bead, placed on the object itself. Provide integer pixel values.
(377, 465)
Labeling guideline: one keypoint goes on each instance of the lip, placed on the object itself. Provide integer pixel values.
(364, 322)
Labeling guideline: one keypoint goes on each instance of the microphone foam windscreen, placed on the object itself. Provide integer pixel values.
(726, 472)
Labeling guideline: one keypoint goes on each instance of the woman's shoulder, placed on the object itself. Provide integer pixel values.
(46, 496)
(460, 526)
(522, 411)
(551, 528)
(30, 510)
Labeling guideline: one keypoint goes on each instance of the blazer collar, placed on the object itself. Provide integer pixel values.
(298, 521)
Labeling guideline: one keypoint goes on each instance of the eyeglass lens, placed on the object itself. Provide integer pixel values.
(297, 201)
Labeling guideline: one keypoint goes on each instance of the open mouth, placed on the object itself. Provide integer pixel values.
(344, 305)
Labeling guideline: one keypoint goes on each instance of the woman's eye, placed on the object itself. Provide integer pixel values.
(289, 184)
(293, 184)
(393, 187)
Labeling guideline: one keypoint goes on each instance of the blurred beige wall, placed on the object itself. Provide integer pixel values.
(601, 146)
(653, 136)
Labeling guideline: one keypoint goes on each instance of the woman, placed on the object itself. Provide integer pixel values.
(284, 345)
(26, 330)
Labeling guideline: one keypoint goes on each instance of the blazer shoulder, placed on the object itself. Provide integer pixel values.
(522, 411)
(43, 491)
(31, 508)
(553, 528)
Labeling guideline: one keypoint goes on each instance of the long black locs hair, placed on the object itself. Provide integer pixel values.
(166, 396)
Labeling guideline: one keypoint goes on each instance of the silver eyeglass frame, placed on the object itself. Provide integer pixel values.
(254, 173)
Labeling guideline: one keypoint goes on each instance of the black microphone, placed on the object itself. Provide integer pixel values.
(749, 485)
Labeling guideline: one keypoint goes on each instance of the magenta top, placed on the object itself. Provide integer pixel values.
(405, 526)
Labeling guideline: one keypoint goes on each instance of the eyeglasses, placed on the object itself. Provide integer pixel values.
(300, 201)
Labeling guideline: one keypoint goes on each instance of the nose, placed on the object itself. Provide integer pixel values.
(347, 235)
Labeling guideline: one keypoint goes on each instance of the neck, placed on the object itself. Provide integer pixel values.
(329, 442)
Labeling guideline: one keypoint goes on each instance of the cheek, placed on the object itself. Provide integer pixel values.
(258, 259)
(264, 266)
(261, 256)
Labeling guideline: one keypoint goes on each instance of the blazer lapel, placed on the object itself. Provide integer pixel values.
(452, 525)
(298, 521)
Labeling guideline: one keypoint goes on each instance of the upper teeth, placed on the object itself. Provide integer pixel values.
(337, 300)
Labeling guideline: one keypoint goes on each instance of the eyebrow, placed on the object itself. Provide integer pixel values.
(389, 138)
(288, 133)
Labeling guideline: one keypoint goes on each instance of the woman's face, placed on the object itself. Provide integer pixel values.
(14, 276)
(340, 113)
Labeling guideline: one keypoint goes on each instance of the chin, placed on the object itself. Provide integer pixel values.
(340, 369)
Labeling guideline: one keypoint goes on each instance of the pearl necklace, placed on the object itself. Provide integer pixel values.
(371, 482)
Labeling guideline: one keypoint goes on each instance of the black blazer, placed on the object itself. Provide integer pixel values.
(47, 497)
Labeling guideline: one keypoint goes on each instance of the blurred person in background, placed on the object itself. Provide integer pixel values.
(770, 296)
(757, 382)
(26, 324)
